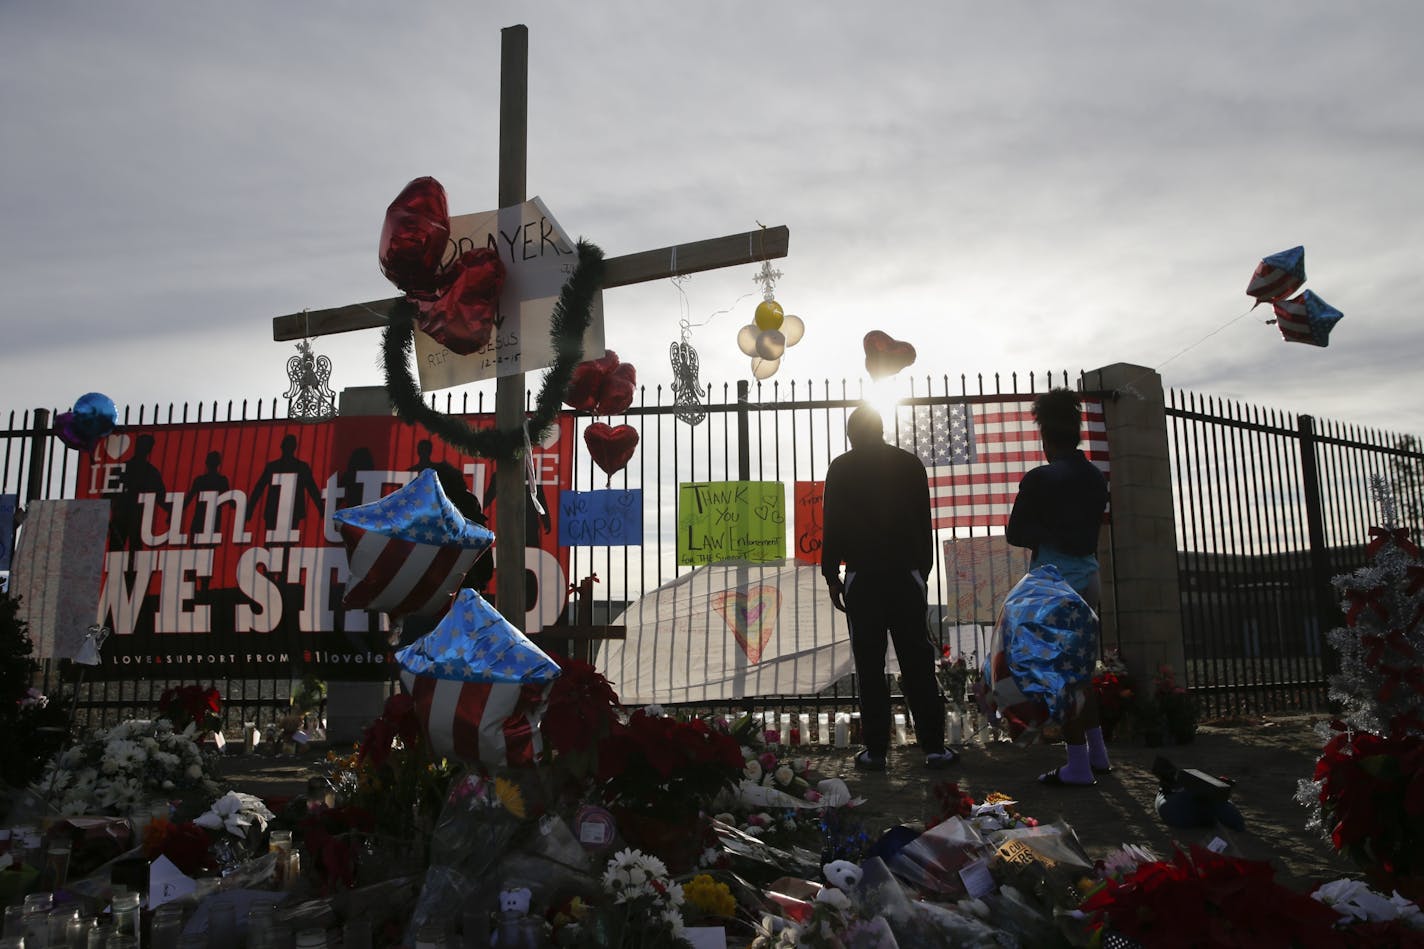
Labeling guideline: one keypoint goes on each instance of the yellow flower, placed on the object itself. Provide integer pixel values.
(710, 896)
(509, 795)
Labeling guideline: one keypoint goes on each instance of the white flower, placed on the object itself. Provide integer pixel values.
(784, 774)
(752, 769)
(195, 771)
(654, 710)
(227, 813)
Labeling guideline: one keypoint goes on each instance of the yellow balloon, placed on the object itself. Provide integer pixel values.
(768, 315)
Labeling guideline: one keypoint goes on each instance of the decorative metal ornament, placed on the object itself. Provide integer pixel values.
(686, 389)
(309, 398)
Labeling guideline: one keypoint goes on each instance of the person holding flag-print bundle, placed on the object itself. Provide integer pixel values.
(1057, 515)
(876, 518)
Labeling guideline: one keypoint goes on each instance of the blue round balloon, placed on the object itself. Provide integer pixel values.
(95, 414)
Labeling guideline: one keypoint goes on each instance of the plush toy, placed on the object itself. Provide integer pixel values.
(517, 929)
(843, 875)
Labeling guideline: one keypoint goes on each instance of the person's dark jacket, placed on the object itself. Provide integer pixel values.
(1060, 505)
(876, 513)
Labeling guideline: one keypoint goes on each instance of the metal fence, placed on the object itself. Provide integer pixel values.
(1270, 506)
(774, 432)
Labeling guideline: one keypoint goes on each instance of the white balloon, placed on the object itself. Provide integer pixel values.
(765, 368)
(770, 344)
(793, 328)
(747, 339)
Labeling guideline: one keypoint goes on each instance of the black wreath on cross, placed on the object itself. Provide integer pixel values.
(566, 328)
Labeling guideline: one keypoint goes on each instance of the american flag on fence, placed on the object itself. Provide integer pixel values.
(976, 452)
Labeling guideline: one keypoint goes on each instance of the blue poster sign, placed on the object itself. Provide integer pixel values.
(8, 505)
(601, 518)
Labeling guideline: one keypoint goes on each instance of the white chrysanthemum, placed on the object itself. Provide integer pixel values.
(74, 807)
(752, 769)
(675, 894)
(674, 919)
(784, 774)
(195, 771)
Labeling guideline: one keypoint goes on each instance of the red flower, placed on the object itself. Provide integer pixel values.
(582, 708)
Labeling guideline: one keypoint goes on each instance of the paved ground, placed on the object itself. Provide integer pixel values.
(1266, 759)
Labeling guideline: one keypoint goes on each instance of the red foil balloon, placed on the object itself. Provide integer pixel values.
(462, 318)
(611, 446)
(885, 355)
(602, 386)
(414, 237)
(616, 392)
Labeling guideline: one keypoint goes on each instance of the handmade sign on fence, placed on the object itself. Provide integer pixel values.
(601, 518)
(809, 529)
(731, 520)
(57, 567)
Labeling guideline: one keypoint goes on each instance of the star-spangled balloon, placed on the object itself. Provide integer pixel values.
(474, 643)
(1277, 276)
(1049, 636)
(419, 512)
(1306, 319)
(409, 551)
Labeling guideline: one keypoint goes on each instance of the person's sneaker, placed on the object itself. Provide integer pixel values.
(941, 759)
(865, 761)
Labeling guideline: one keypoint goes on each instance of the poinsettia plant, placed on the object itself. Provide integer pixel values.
(663, 766)
(192, 704)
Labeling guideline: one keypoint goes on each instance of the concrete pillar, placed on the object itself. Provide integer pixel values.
(352, 704)
(1142, 612)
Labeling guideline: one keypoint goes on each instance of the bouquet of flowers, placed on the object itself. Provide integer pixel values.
(641, 907)
(955, 674)
(186, 705)
(128, 767)
(1367, 793)
(1178, 707)
(1113, 685)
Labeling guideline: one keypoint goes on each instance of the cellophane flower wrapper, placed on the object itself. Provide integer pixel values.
(932, 861)
(1014, 913)
(915, 922)
(477, 826)
(759, 861)
(1046, 864)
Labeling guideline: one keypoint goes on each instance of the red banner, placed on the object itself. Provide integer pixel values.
(223, 558)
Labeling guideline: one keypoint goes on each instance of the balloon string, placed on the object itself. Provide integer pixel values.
(1130, 387)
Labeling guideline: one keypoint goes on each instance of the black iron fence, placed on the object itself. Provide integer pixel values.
(1270, 507)
(774, 432)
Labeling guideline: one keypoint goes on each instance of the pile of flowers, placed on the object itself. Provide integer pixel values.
(1207, 899)
(127, 768)
(956, 675)
(1176, 705)
(1367, 793)
(642, 906)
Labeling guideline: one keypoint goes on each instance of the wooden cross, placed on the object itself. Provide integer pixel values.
(510, 495)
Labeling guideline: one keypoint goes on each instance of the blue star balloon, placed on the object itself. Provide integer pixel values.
(1306, 319)
(474, 643)
(93, 417)
(409, 551)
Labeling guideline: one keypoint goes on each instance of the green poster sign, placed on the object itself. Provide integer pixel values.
(731, 520)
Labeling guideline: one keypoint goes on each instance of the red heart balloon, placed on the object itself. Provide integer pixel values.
(582, 393)
(610, 446)
(414, 236)
(616, 392)
(885, 355)
(462, 318)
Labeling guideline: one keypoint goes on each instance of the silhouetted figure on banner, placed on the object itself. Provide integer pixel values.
(211, 480)
(306, 486)
(140, 476)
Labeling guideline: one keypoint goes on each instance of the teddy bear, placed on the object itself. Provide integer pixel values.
(516, 928)
(844, 877)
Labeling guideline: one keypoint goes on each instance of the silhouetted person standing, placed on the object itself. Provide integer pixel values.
(1057, 515)
(877, 520)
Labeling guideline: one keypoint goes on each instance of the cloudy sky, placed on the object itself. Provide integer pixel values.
(1007, 186)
